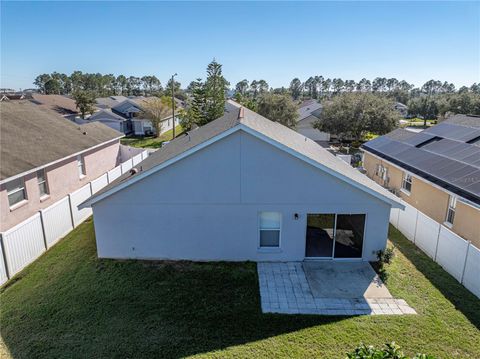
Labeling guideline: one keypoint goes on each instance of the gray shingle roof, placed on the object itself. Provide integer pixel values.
(109, 102)
(32, 136)
(464, 120)
(236, 115)
(106, 114)
(447, 154)
(308, 108)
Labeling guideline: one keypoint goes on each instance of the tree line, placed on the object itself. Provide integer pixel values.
(206, 99)
(100, 85)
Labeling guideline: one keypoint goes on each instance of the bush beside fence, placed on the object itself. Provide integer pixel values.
(25, 242)
(456, 255)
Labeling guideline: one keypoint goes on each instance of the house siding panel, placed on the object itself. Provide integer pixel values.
(206, 206)
(467, 223)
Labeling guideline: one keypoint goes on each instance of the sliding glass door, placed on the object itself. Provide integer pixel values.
(349, 235)
(334, 236)
(320, 234)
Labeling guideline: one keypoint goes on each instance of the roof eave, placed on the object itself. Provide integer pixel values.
(91, 201)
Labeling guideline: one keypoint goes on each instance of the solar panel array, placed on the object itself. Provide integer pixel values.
(448, 160)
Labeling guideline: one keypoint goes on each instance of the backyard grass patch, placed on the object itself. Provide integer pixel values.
(70, 304)
(150, 141)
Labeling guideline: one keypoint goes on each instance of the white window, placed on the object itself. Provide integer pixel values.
(81, 166)
(42, 183)
(381, 171)
(270, 223)
(452, 204)
(407, 182)
(16, 191)
(168, 123)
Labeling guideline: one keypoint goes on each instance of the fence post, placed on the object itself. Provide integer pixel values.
(4, 255)
(438, 240)
(465, 261)
(398, 218)
(71, 210)
(415, 229)
(43, 230)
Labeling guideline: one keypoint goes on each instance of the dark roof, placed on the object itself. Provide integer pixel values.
(447, 154)
(63, 105)
(32, 136)
(235, 115)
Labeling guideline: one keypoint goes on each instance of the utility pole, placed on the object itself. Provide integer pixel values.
(173, 105)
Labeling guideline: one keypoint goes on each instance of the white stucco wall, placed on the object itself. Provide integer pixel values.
(205, 207)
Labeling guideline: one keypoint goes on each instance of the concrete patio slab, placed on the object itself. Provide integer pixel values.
(284, 289)
(329, 279)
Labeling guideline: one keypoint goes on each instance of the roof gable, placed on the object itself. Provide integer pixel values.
(238, 118)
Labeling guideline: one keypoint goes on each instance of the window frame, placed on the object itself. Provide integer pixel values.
(407, 175)
(260, 229)
(16, 190)
(44, 181)
(451, 210)
(82, 173)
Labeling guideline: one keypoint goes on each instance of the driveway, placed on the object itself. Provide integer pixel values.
(325, 288)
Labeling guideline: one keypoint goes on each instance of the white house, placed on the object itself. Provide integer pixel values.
(242, 188)
(127, 116)
(309, 113)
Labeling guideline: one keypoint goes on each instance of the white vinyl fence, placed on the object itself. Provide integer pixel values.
(456, 255)
(24, 243)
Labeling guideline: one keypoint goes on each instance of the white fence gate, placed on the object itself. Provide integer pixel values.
(24, 243)
(456, 255)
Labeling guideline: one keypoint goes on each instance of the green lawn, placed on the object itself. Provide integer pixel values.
(418, 122)
(69, 304)
(150, 141)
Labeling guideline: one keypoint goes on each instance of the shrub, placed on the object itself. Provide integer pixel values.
(386, 256)
(389, 351)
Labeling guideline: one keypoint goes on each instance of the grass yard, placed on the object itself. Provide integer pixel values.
(150, 141)
(69, 304)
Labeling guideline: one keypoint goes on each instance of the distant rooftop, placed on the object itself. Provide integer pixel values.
(32, 136)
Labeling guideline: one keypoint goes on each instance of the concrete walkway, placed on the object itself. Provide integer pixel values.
(284, 288)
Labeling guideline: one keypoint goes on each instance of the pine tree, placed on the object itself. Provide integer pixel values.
(215, 89)
(196, 110)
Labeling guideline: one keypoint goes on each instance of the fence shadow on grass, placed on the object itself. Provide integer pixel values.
(455, 292)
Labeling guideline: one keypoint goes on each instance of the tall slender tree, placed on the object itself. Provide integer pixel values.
(296, 88)
(215, 91)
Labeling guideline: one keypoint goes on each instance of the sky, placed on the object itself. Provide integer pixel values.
(275, 41)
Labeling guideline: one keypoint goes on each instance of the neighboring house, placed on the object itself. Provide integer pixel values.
(127, 116)
(242, 188)
(112, 120)
(14, 95)
(401, 108)
(44, 157)
(437, 171)
(309, 113)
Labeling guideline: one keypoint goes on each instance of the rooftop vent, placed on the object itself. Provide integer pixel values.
(133, 171)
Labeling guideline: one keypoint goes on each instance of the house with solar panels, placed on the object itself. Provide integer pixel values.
(436, 170)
